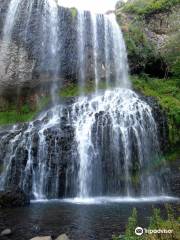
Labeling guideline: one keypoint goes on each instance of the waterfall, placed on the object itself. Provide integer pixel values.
(50, 17)
(107, 45)
(111, 133)
(95, 49)
(103, 144)
(119, 55)
(81, 48)
(20, 15)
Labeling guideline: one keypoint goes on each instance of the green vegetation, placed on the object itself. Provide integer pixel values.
(144, 7)
(156, 222)
(26, 113)
(173, 154)
(140, 49)
(73, 90)
(172, 54)
(145, 52)
(166, 91)
(12, 116)
(74, 12)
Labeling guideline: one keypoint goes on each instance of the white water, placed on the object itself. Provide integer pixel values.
(108, 200)
(49, 17)
(119, 54)
(115, 133)
(7, 34)
(12, 14)
(107, 46)
(95, 50)
(125, 112)
(81, 49)
(52, 20)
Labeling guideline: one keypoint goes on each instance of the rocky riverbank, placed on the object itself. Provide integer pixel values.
(8, 233)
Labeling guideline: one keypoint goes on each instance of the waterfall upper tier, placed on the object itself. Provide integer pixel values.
(42, 43)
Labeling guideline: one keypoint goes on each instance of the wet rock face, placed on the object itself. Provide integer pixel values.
(162, 123)
(13, 197)
(27, 58)
(3, 11)
(40, 150)
(175, 178)
(44, 156)
(17, 67)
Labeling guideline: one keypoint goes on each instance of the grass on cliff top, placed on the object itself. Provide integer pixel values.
(26, 114)
(166, 91)
(146, 7)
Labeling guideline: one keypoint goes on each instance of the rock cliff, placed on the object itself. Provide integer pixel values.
(152, 36)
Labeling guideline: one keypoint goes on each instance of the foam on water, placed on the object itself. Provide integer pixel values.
(110, 200)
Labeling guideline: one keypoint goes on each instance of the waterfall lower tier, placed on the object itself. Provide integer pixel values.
(104, 145)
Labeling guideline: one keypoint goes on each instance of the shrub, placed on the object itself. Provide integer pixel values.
(166, 91)
(140, 49)
(156, 222)
(146, 7)
(172, 56)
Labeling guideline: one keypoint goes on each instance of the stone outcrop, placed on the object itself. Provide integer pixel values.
(160, 117)
(16, 69)
(148, 37)
(13, 197)
(55, 145)
(26, 62)
(42, 238)
(62, 237)
(174, 178)
(160, 27)
(6, 232)
(55, 150)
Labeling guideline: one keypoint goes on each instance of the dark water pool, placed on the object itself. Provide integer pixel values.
(79, 221)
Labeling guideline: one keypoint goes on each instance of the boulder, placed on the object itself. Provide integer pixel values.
(42, 238)
(13, 197)
(62, 237)
(6, 232)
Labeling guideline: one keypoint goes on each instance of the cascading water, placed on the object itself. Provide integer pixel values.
(104, 144)
(81, 48)
(17, 30)
(95, 50)
(119, 55)
(115, 144)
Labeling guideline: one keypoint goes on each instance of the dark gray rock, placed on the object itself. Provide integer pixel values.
(13, 197)
(161, 119)
(62, 237)
(6, 232)
(174, 177)
(42, 238)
